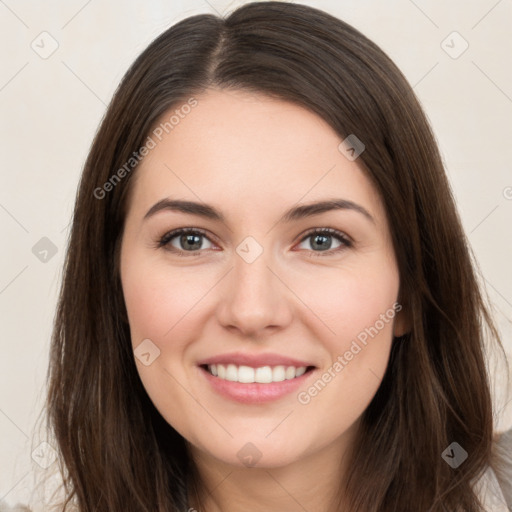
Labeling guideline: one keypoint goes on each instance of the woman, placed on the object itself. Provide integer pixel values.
(212, 349)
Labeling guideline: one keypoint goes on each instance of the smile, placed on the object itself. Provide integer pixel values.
(262, 374)
(253, 386)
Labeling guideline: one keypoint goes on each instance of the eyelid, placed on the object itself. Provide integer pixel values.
(330, 231)
(164, 240)
(344, 239)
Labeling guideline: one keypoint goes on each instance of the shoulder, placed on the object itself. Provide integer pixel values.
(502, 467)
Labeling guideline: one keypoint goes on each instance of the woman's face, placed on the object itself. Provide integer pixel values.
(257, 293)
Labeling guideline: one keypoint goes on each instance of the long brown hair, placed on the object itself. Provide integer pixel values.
(116, 451)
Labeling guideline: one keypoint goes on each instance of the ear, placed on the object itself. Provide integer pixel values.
(402, 324)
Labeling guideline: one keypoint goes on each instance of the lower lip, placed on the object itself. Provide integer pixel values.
(254, 393)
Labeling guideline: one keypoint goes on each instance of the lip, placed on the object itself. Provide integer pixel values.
(254, 360)
(254, 393)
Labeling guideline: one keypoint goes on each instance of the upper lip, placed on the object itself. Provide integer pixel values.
(254, 360)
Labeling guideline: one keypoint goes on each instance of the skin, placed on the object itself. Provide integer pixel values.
(253, 158)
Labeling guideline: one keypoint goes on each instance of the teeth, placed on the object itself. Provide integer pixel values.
(231, 373)
(279, 373)
(245, 374)
(300, 371)
(263, 374)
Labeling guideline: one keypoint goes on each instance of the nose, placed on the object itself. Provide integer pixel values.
(254, 299)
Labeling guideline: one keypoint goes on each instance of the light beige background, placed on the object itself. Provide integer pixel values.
(50, 108)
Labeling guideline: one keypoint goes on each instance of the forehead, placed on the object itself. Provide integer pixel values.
(244, 148)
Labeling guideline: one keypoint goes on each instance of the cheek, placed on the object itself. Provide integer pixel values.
(158, 297)
(357, 309)
(160, 304)
(362, 318)
(350, 300)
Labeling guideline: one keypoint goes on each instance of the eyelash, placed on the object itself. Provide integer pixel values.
(341, 237)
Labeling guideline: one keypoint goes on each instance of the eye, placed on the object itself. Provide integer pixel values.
(322, 240)
(189, 241)
(184, 240)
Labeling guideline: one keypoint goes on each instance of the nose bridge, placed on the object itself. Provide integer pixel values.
(253, 279)
(253, 298)
(253, 283)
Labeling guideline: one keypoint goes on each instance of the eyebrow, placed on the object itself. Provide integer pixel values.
(293, 214)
